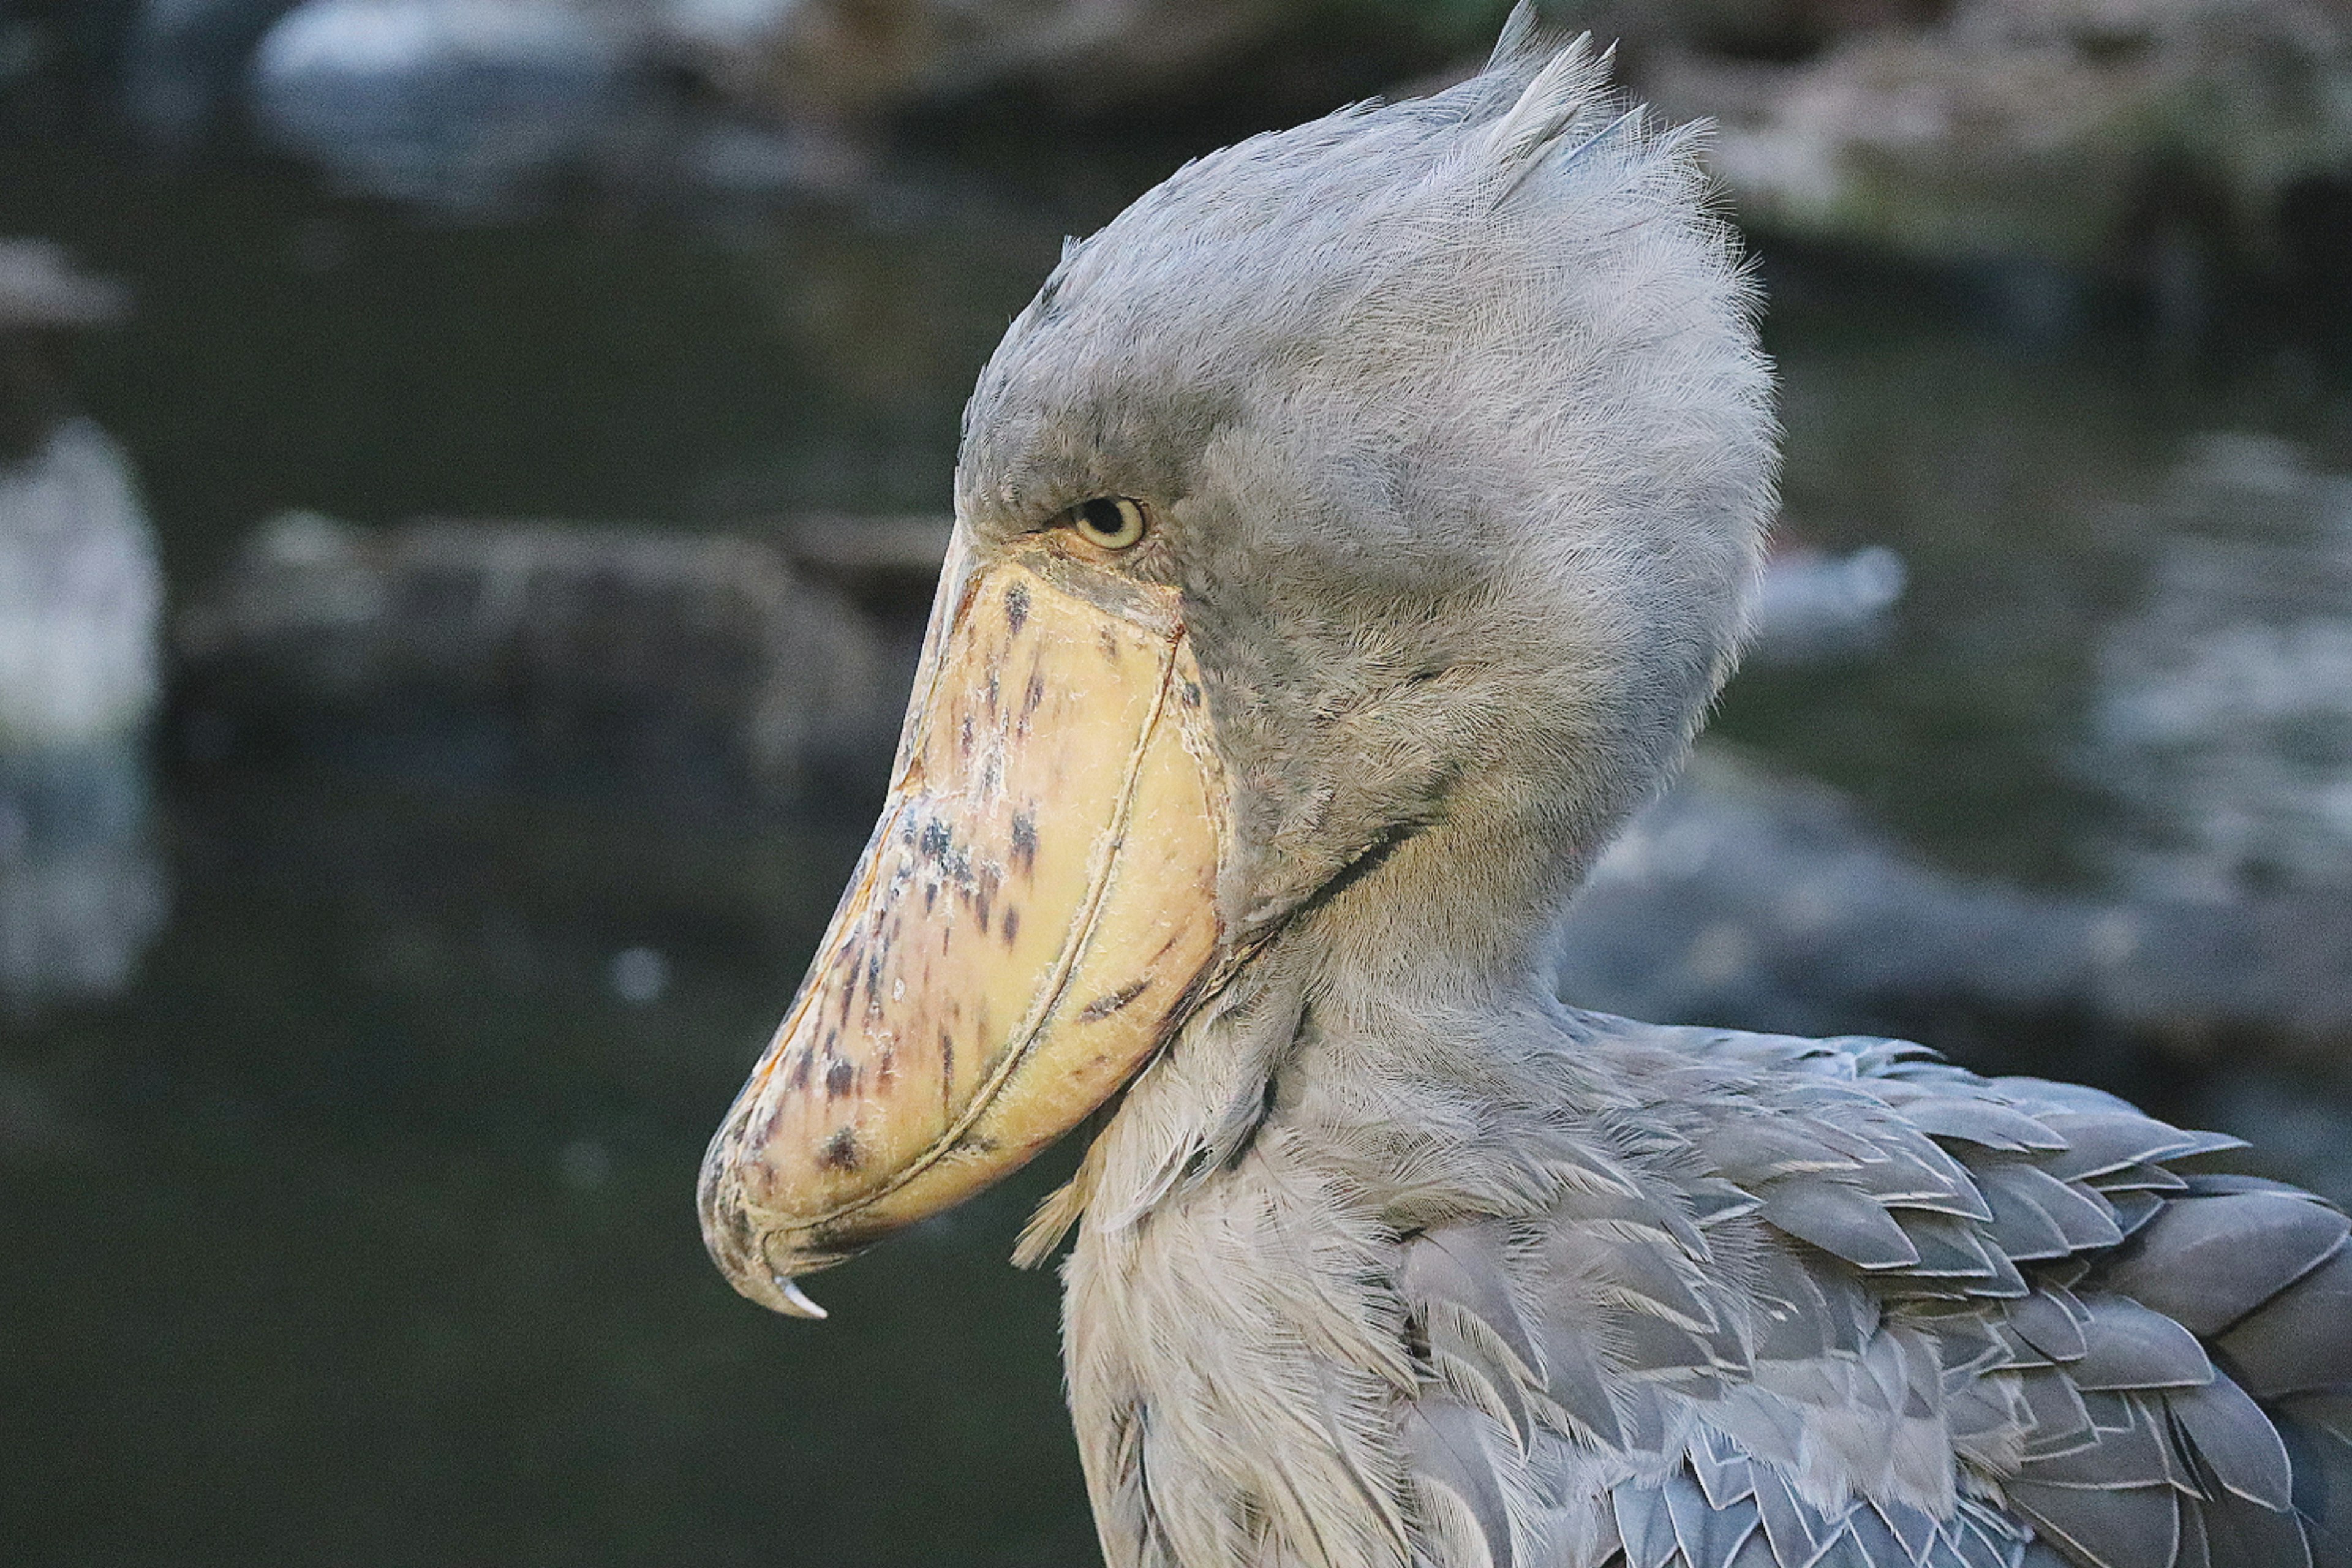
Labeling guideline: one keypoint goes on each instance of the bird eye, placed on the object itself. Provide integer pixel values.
(1109, 522)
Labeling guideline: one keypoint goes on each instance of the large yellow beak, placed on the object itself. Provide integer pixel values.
(1032, 916)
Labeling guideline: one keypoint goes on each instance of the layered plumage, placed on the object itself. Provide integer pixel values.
(1454, 433)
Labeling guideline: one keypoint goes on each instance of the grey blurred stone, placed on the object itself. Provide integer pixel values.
(1817, 604)
(2223, 716)
(80, 594)
(2151, 139)
(83, 890)
(40, 287)
(1748, 896)
(851, 60)
(445, 100)
(184, 64)
(1744, 895)
(564, 638)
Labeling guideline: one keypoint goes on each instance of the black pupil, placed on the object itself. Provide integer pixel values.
(1102, 516)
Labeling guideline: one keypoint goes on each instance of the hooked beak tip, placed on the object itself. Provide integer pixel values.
(793, 1302)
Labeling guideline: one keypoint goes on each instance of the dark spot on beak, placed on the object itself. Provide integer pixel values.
(1012, 924)
(1032, 695)
(963, 739)
(1016, 607)
(947, 1062)
(839, 1077)
(1108, 642)
(840, 1151)
(1102, 1007)
(1025, 841)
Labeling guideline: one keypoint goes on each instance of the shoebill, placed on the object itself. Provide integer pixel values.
(1348, 537)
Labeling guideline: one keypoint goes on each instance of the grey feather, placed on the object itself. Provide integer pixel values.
(1948, 1248)
(1577, 1383)
(2049, 1325)
(2139, 1178)
(2215, 1183)
(1461, 1267)
(1840, 1221)
(2206, 1262)
(2138, 1528)
(1450, 1450)
(2300, 1341)
(2127, 1345)
(1798, 1532)
(2024, 1232)
(1644, 1526)
(1517, 41)
(1754, 1149)
(2318, 1433)
(2098, 1142)
(2058, 1421)
(2242, 1534)
(2134, 1208)
(2082, 1218)
(2236, 1441)
(1709, 1536)
(1723, 1477)
(2134, 1451)
(1986, 1123)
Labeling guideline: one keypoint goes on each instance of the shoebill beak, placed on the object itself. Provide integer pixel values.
(1035, 911)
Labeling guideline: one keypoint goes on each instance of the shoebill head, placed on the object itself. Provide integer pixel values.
(1400, 476)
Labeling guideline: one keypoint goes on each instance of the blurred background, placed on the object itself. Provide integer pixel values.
(471, 473)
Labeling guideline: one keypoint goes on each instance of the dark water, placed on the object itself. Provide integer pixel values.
(360, 1229)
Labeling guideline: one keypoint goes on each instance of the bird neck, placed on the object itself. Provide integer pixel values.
(1456, 912)
(1417, 984)
(1243, 1212)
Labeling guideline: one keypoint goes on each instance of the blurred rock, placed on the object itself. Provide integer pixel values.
(1750, 897)
(81, 599)
(184, 64)
(80, 595)
(41, 289)
(1746, 896)
(2223, 710)
(631, 652)
(36, 1123)
(867, 59)
(83, 893)
(2154, 140)
(468, 103)
(445, 100)
(1814, 604)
